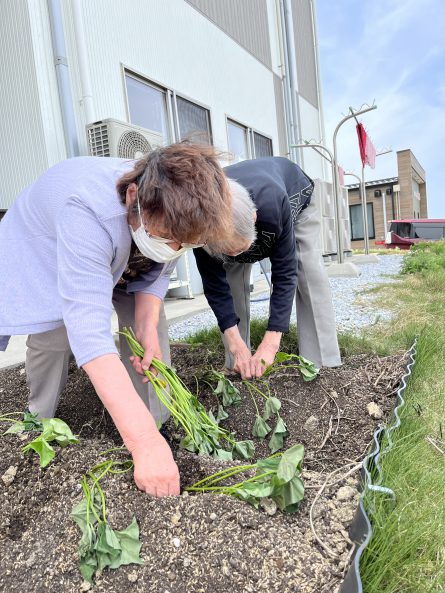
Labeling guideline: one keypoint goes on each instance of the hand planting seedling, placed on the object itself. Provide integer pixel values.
(307, 368)
(100, 545)
(203, 433)
(277, 477)
(51, 429)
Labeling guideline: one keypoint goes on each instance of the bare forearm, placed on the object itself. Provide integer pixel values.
(114, 387)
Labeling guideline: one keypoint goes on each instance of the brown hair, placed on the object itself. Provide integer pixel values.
(183, 187)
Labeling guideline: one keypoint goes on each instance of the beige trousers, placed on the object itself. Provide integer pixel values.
(48, 357)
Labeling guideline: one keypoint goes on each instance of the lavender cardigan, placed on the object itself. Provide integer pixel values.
(64, 245)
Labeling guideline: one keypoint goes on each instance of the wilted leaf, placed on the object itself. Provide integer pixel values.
(290, 463)
(243, 449)
(222, 414)
(260, 429)
(43, 450)
(272, 406)
(223, 454)
(278, 436)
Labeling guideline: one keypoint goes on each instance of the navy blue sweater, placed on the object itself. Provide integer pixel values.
(280, 191)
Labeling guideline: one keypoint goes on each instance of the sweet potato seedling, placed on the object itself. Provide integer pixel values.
(51, 430)
(203, 435)
(100, 545)
(277, 477)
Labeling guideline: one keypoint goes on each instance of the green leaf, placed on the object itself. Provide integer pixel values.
(79, 512)
(189, 444)
(260, 429)
(130, 544)
(268, 464)
(243, 449)
(290, 463)
(88, 565)
(57, 430)
(223, 454)
(258, 489)
(15, 428)
(31, 422)
(272, 406)
(42, 448)
(222, 414)
(290, 495)
(278, 436)
(108, 549)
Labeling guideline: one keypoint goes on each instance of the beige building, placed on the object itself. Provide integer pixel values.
(401, 197)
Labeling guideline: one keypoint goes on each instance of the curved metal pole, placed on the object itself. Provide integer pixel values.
(334, 192)
(336, 182)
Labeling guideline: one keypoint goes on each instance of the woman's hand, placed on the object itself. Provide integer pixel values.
(155, 470)
(265, 354)
(149, 340)
(146, 317)
(240, 352)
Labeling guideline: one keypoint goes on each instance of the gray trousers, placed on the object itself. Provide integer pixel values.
(317, 332)
(48, 357)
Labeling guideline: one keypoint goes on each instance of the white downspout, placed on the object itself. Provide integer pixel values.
(318, 77)
(82, 56)
(292, 60)
(63, 79)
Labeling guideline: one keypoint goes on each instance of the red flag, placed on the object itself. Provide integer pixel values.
(341, 175)
(367, 150)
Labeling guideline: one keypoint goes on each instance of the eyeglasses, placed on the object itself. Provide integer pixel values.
(167, 241)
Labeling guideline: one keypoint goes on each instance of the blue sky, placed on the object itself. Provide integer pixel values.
(393, 52)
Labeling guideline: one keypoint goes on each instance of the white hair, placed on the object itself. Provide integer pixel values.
(243, 220)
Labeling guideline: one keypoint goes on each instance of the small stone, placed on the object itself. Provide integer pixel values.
(31, 560)
(185, 494)
(311, 424)
(374, 411)
(225, 568)
(85, 586)
(171, 576)
(270, 506)
(213, 516)
(9, 475)
(176, 542)
(187, 562)
(132, 576)
(176, 518)
(22, 372)
(345, 493)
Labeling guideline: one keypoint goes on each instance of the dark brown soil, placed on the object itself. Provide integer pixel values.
(202, 543)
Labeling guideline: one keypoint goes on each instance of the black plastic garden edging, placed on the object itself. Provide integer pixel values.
(372, 479)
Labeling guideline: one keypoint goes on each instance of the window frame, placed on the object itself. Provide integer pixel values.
(373, 221)
(170, 102)
(250, 138)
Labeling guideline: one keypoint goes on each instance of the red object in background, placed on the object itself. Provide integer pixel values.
(367, 150)
(341, 175)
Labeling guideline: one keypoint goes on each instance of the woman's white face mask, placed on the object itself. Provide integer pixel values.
(156, 248)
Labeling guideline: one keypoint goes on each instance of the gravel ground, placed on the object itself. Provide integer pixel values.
(351, 316)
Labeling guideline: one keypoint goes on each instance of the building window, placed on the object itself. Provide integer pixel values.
(238, 144)
(356, 218)
(262, 145)
(147, 106)
(193, 121)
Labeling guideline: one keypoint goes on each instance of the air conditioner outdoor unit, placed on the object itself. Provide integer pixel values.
(114, 138)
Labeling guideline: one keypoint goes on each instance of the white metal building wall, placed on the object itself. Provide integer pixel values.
(21, 129)
(174, 45)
